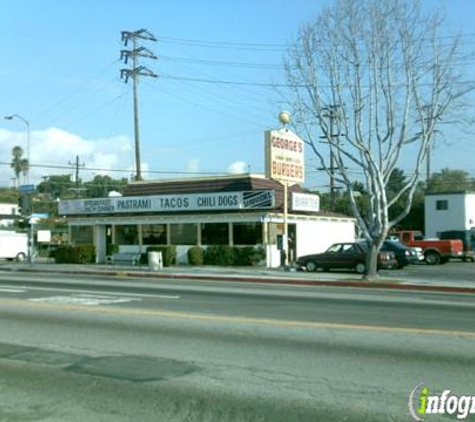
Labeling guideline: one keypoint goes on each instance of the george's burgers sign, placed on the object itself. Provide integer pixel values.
(284, 152)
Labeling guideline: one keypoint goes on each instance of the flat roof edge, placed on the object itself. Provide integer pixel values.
(462, 192)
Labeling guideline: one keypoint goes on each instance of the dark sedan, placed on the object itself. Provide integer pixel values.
(347, 256)
(403, 254)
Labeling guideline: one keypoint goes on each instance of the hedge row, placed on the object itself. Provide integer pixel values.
(226, 255)
(213, 255)
(75, 254)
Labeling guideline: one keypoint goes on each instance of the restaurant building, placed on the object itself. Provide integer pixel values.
(235, 210)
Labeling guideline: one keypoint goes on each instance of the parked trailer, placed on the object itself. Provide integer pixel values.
(13, 245)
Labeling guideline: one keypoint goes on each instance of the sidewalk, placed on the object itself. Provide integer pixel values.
(246, 274)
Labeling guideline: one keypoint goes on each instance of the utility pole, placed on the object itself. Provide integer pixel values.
(428, 165)
(77, 166)
(135, 72)
(331, 114)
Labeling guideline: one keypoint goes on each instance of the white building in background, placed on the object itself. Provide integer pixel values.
(8, 214)
(449, 211)
(238, 210)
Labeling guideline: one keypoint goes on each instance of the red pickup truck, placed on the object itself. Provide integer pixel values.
(436, 251)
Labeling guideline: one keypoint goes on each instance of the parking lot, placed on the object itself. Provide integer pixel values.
(453, 272)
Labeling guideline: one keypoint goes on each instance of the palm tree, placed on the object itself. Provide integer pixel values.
(17, 161)
(25, 166)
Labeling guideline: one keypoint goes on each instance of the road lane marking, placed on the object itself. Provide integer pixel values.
(93, 292)
(85, 300)
(8, 290)
(234, 320)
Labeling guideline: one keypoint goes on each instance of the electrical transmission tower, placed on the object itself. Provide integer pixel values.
(135, 72)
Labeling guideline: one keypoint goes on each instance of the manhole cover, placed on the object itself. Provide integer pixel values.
(48, 357)
(12, 349)
(133, 368)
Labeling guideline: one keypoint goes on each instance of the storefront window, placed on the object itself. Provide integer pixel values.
(82, 235)
(154, 234)
(183, 234)
(247, 233)
(127, 235)
(215, 234)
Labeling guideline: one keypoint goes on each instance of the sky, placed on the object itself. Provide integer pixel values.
(204, 114)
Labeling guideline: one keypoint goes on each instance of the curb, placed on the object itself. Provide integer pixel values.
(263, 279)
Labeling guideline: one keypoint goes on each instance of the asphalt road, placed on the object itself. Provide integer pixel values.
(455, 273)
(452, 272)
(74, 348)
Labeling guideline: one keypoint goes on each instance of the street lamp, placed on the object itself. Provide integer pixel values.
(27, 175)
(27, 141)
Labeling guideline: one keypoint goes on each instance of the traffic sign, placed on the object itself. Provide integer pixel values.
(26, 188)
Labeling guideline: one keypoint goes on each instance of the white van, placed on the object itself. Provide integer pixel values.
(13, 245)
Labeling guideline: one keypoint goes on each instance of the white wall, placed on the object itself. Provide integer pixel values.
(469, 211)
(6, 208)
(460, 214)
(100, 243)
(318, 236)
(272, 256)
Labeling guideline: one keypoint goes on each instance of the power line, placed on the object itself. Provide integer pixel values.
(278, 85)
(224, 44)
(249, 65)
(275, 66)
(213, 110)
(99, 108)
(79, 89)
(264, 46)
(224, 82)
(68, 167)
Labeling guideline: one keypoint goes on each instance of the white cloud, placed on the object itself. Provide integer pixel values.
(238, 167)
(54, 148)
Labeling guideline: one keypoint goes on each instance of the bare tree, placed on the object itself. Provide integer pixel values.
(375, 77)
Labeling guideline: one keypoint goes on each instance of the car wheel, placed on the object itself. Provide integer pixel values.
(360, 267)
(21, 257)
(311, 266)
(432, 258)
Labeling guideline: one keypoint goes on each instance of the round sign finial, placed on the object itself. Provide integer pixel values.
(284, 117)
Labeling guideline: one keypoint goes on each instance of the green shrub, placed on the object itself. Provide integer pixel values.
(75, 254)
(258, 255)
(219, 255)
(195, 255)
(233, 255)
(112, 248)
(245, 256)
(168, 253)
